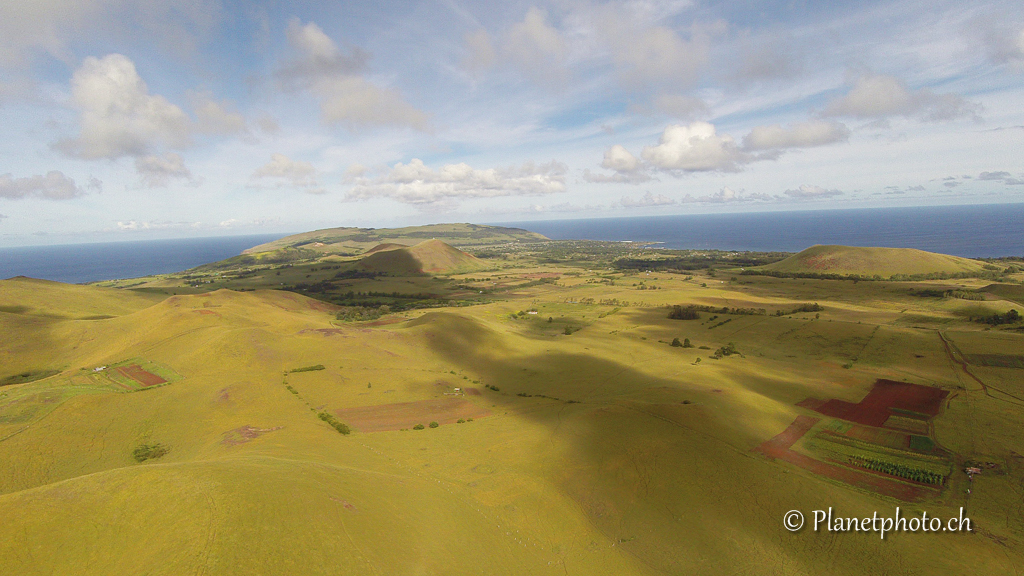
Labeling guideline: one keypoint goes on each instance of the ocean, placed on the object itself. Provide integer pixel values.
(969, 231)
(79, 263)
(976, 231)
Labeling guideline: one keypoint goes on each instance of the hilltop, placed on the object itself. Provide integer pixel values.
(355, 241)
(427, 257)
(862, 261)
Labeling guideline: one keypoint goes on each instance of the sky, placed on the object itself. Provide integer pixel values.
(140, 119)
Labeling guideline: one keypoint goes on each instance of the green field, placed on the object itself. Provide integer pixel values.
(572, 440)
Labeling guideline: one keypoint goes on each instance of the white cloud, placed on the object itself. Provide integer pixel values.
(621, 160)
(884, 96)
(1001, 36)
(534, 45)
(414, 183)
(646, 55)
(648, 199)
(282, 170)
(158, 171)
(628, 168)
(53, 186)
(695, 148)
(809, 192)
(1004, 177)
(334, 77)
(119, 117)
(354, 172)
(49, 26)
(135, 226)
(213, 117)
(800, 135)
(727, 195)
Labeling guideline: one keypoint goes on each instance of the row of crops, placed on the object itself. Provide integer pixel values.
(901, 470)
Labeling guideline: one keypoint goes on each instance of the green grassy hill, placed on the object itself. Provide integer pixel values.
(354, 241)
(427, 257)
(604, 450)
(885, 262)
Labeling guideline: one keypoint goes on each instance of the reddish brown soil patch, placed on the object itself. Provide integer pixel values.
(135, 372)
(878, 436)
(789, 436)
(245, 434)
(471, 391)
(885, 396)
(779, 448)
(208, 312)
(408, 414)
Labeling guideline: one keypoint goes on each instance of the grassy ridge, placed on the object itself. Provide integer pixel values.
(884, 262)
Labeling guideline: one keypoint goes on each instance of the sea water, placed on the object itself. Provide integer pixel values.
(975, 231)
(77, 263)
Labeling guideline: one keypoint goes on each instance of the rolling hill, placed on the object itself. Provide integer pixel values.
(354, 241)
(861, 261)
(427, 257)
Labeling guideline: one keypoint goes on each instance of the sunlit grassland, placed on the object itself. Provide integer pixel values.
(607, 450)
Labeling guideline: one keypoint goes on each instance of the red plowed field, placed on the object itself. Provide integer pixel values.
(408, 414)
(875, 408)
(778, 447)
(135, 372)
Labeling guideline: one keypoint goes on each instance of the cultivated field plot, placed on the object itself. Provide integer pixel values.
(885, 397)
(779, 448)
(408, 414)
(996, 360)
(138, 374)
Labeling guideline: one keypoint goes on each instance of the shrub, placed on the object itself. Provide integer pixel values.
(338, 425)
(684, 313)
(686, 343)
(676, 343)
(310, 368)
(460, 421)
(434, 424)
(149, 452)
(418, 427)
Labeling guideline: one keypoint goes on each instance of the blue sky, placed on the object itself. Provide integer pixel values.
(124, 120)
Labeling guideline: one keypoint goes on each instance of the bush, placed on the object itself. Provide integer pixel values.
(686, 343)
(676, 343)
(338, 425)
(434, 424)
(418, 427)
(684, 313)
(309, 368)
(460, 421)
(149, 452)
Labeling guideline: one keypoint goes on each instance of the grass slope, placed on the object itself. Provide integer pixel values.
(885, 262)
(607, 451)
(352, 241)
(427, 257)
(21, 295)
